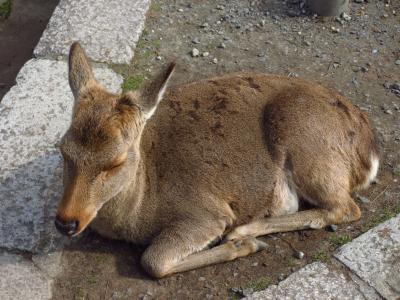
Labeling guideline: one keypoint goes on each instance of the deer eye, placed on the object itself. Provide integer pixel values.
(114, 166)
(109, 170)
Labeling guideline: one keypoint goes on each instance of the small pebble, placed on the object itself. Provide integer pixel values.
(195, 52)
(333, 227)
(299, 254)
(202, 278)
(362, 199)
(255, 264)
(205, 54)
(215, 60)
(395, 86)
(222, 46)
(180, 10)
(397, 62)
(335, 30)
(345, 17)
(374, 51)
(196, 41)
(204, 25)
(158, 57)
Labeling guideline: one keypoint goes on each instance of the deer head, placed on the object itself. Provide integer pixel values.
(101, 147)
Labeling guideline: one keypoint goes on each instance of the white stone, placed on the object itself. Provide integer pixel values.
(375, 257)
(20, 280)
(34, 115)
(314, 281)
(107, 29)
(195, 52)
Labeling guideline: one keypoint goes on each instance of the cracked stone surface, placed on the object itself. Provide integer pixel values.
(108, 30)
(314, 281)
(21, 280)
(375, 257)
(34, 115)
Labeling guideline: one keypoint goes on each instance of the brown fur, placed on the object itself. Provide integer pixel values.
(220, 157)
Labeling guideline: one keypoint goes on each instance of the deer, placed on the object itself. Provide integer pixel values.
(197, 172)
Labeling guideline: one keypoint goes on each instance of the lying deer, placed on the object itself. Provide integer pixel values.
(222, 158)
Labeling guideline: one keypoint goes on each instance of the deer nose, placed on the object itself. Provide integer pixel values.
(66, 228)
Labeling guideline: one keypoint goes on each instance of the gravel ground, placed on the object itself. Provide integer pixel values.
(357, 54)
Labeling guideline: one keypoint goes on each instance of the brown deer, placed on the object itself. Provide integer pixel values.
(227, 158)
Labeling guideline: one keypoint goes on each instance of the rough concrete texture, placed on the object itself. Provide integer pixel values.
(48, 263)
(34, 114)
(21, 280)
(375, 257)
(108, 30)
(314, 281)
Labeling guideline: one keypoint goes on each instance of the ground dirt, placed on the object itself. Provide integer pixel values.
(19, 35)
(356, 57)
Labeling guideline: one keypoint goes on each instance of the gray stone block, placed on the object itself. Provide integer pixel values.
(375, 257)
(34, 115)
(20, 280)
(314, 281)
(108, 30)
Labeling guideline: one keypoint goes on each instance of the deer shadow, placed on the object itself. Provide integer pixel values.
(278, 8)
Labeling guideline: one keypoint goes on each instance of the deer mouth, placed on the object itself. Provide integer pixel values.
(73, 226)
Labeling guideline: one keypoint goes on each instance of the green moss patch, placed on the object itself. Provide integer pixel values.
(5, 9)
(133, 82)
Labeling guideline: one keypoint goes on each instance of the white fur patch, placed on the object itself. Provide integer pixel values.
(289, 198)
(160, 95)
(373, 171)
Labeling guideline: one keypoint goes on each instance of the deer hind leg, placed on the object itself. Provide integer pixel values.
(341, 209)
(183, 247)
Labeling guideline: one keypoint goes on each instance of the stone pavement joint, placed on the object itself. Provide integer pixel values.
(108, 30)
(375, 257)
(35, 113)
(314, 281)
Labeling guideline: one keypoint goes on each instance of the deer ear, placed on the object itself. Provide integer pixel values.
(153, 93)
(80, 71)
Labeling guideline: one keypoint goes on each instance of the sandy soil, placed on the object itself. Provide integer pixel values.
(356, 57)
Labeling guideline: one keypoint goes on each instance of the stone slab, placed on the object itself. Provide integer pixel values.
(34, 115)
(20, 280)
(107, 29)
(314, 281)
(375, 257)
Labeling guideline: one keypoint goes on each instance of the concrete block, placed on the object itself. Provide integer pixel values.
(375, 257)
(20, 280)
(34, 115)
(314, 281)
(108, 30)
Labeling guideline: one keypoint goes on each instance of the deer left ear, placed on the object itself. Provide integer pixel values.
(153, 93)
(80, 72)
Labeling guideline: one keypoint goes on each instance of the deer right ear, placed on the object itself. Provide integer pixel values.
(154, 92)
(80, 72)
